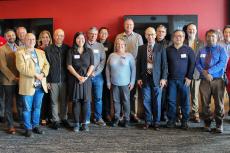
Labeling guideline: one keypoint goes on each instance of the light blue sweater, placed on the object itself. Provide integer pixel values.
(120, 70)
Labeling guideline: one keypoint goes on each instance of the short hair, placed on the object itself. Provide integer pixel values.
(93, 29)
(103, 28)
(178, 30)
(21, 27)
(128, 18)
(150, 28)
(40, 37)
(211, 31)
(226, 27)
(161, 26)
(8, 30)
(122, 39)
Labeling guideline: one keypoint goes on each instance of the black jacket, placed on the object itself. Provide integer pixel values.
(56, 57)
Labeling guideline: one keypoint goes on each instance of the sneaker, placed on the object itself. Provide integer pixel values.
(100, 122)
(28, 133)
(76, 127)
(219, 129)
(171, 124)
(38, 130)
(184, 125)
(11, 130)
(85, 127)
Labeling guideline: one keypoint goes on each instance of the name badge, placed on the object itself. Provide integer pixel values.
(76, 56)
(149, 65)
(183, 55)
(202, 55)
(106, 48)
(96, 51)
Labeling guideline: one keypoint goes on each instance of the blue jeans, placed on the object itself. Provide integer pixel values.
(32, 108)
(97, 87)
(179, 86)
(152, 103)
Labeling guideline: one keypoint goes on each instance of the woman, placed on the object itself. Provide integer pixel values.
(33, 68)
(120, 75)
(45, 40)
(80, 65)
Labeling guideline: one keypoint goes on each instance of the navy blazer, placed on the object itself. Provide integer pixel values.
(160, 66)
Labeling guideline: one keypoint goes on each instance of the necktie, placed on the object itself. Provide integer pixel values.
(208, 60)
(149, 58)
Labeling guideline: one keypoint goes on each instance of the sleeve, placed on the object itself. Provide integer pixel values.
(25, 66)
(220, 64)
(91, 57)
(164, 64)
(69, 57)
(107, 71)
(101, 65)
(138, 64)
(133, 69)
(140, 40)
(198, 62)
(46, 66)
(191, 64)
(3, 66)
(228, 70)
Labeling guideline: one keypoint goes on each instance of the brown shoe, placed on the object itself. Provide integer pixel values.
(195, 119)
(146, 126)
(108, 118)
(135, 119)
(43, 123)
(11, 130)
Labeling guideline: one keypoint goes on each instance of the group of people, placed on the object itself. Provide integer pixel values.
(45, 78)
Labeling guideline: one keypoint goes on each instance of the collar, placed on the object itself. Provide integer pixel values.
(124, 34)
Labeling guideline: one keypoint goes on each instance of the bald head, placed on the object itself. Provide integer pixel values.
(59, 36)
(30, 40)
(150, 35)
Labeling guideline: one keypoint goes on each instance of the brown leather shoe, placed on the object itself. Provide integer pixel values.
(146, 126)
(108, 118)
(135, 119)
(195, 119)
(11, 130)
(43, 122)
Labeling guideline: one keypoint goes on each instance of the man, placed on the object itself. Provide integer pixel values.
(21, 32)
(97, 78)
(151, 77)
(226, 45)
(181, 62)
(211, 62)
(33, 68)
(108, 47)
(196, 45)
(160, 39)
(56, 56)
(9, 76)
(2, 105)
(132, 40)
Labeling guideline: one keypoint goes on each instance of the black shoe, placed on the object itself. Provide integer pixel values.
(135, 119)
(184, 125)
(55, 125)
(28, 133)
(156, 127)
(125, 123)
(171, 124)
(38, 130)
(2, 119)
(115, 123)
(66, 123)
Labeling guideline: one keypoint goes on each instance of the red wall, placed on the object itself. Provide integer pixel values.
(74, 15)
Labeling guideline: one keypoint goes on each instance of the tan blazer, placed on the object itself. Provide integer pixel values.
(8, 69)
(26, 67)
